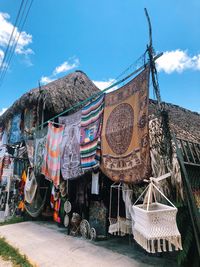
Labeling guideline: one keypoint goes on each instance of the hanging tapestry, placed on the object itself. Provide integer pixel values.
(15, 131)
(125, 140)
(30, 151)
(40, 142)
(91, 124)
(3, 137)
(70, 148)
(51, 162)
(29, 123)
(2, 154)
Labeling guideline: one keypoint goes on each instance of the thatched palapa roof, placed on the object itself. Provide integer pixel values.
(58, 95)
(65, 92)
(184, 123)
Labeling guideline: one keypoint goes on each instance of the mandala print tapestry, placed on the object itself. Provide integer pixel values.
(70, 147)
(125, 139)
(91, 124)
(15, 132)
(51, 162)
(40, 143)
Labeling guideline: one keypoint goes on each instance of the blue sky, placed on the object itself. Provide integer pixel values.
(102, 38)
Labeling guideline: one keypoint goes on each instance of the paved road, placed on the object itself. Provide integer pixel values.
(5, 263)
(47, 247)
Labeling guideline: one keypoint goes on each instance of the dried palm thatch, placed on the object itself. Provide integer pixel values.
(183, 122)
(56, 96)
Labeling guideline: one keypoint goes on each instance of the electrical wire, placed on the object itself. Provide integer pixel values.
(11, 36)
(15, 41)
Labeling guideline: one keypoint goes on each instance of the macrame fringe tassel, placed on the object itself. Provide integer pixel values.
(120, 227)
(158, 245)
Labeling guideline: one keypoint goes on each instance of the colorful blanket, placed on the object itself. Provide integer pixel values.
(40, 143)
(15, 131)
(70, 147)
(125, 139)
(51, 162)
(91, 124)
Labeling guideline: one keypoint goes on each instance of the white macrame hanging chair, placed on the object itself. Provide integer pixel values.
(119, 225)
(154, 224)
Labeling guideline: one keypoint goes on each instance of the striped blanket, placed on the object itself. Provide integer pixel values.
(91, 124)
(51, 162)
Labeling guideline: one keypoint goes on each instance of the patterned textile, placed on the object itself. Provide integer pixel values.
(15, 132)
(125, 140)
(40, 143)
(30, 151)
(29, 123)
(3, 137)
(91, 124)
(51, 163)
(2, 154)
(70, 148)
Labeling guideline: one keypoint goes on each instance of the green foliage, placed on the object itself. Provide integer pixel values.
(12, 221)
(7, 252)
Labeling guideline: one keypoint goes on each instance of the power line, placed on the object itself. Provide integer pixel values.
(11, 36)
(15, 41)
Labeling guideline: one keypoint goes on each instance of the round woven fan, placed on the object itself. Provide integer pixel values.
(67, 206)
(85, 228)
(93, 234)
(66, 220)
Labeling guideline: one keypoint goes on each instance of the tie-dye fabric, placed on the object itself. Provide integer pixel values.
(51, 163)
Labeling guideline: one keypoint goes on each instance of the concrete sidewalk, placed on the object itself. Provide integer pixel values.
(45, 246)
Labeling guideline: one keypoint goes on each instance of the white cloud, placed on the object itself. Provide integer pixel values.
(72, 63)
(66, 66)
(3, 110)
(177, 61)
(45, 80)
(6, 29)
(105, 84)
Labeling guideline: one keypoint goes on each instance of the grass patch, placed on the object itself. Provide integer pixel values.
(9, 253)
(13, 220)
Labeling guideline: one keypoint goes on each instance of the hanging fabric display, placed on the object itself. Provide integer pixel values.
(40, 143)
(91, 124)
(29, 123)
(30, 186)
(154, 224)
(125, 140)
(15, 131)
(119, 224)
(30, 151)
(51, 162)
(3, 137)
(2, 154)
(70, 147)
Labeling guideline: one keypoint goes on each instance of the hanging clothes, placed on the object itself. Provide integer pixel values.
(70, 147)
(91, 124)
(125, 140)
(51, 162)
(15, 131)
(40, 143)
